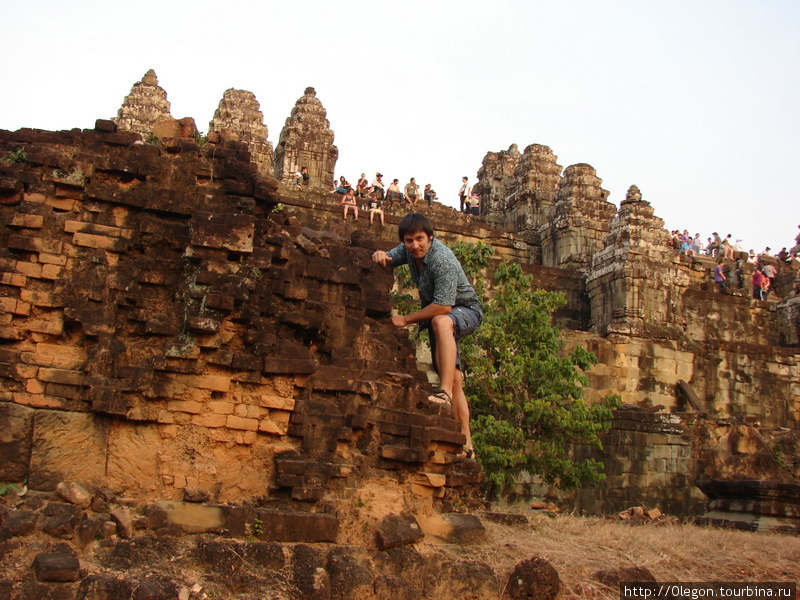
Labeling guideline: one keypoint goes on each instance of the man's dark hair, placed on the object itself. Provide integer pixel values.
(414, 222)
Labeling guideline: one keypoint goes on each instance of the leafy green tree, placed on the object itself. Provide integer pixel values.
(525, 392)
(403, 301)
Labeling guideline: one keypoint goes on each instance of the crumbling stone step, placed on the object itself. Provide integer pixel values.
(403, 454)
(454, 528)
(282, 526)
(398, 530)
(449, 435)
(397, 429)
(186, 516)
(401, 417)
(265, 525)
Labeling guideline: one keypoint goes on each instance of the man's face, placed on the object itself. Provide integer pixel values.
(418, 244)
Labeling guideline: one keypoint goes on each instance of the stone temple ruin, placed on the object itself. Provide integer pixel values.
(170, 337)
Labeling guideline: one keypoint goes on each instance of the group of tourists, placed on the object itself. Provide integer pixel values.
(372, 196)
(765, 269)
(719, 247)
(411, 193)
(762, 279)
(715, 246)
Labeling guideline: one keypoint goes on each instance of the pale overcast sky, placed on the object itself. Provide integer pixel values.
(694, 101)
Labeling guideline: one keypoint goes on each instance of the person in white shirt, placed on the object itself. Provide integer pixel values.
(464, 192)
(377, 186)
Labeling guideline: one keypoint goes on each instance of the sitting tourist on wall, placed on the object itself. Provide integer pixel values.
(393, 194)
(342, 186)
(412, 192)
(349, 201)
(429, 194)
(377, 186)
(362, 187)
(374, 207)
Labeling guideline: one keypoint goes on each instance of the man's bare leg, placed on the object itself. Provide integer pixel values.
(461, 408)
(444, 330)
(450, 378)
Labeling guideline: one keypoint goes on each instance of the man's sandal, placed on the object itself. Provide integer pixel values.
(440, 397)
(468, 454)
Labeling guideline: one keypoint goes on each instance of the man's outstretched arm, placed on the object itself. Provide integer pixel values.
(424, 314)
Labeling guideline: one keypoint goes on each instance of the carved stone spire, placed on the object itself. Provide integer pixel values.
(579, 220)
(633, 195)
(146, 104)
(536, 181)
(307, 141)
(495, 180)
(239, 113)
(633, 283)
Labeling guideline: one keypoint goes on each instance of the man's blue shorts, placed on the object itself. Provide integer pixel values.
(466, 320)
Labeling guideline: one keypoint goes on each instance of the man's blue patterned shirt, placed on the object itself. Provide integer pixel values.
(440, 278)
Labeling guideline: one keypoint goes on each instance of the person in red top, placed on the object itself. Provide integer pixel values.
(758, 280)
(362, 187)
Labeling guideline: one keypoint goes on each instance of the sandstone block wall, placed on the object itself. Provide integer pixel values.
(164, 329)
(732, 379)
(649, 459)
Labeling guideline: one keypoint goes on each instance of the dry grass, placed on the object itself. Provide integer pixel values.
(579, 546)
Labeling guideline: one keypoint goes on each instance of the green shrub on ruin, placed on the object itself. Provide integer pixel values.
(525, 392)
(402, 298)
(16, 156)
(7, 488)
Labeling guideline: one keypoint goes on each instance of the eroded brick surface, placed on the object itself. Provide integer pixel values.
(190, 333)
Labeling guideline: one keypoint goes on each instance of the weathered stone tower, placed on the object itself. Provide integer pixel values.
(239, 113)
(632, 281)
(578, 222)
(307, 141)
(146, 111)
(533, 192)
(495, 180)
(144, 106)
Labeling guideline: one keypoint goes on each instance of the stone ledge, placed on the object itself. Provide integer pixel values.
(282, 526)
(455, 528)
